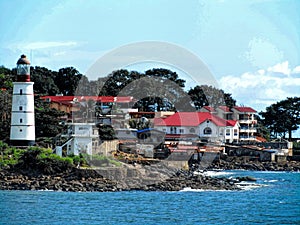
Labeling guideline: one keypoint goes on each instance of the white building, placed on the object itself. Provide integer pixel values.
(79, 139)
(203, 124)
(22, 132)
(246, 118)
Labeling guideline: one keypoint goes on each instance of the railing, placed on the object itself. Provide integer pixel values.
(248, 130)
(248, 121)
(247, 138)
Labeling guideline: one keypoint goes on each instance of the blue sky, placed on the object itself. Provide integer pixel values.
(252, 48)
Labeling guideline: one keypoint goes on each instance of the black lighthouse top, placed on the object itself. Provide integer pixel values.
(23, 69)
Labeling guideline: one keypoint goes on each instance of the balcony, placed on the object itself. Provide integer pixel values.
(247, 121)
(247, 138)
(248, 130)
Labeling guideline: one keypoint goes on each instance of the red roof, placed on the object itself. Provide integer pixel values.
(191, 119)
(225, 108)
(69, 99)
(231, 123)
(209, 108)
(244, 109)
(261, 139)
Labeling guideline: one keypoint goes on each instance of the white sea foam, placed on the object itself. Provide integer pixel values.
(188, 189)
(214, 173)
(271, 181)
(246, 186)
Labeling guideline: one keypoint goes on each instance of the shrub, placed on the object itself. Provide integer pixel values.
(76, 159)
(68, 160)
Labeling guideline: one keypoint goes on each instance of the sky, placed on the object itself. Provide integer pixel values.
(250, 47)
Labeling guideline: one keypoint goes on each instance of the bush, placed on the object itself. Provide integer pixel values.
(69, 160)
(76, 160)
(9, 155)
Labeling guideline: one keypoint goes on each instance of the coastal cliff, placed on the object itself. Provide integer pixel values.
(157, 178)
(33, 172)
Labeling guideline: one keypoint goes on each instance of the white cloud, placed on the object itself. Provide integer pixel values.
(43, 45)
(263, 87)
(281, 68)
(49, 44)
(296, 69)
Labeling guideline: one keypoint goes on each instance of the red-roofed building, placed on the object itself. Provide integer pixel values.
(244, 109)
(69, 104)
(224, 112)
(247, 120)
(205, 125)
(208, 109)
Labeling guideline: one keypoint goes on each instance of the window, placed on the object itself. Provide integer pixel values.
(21, 130)
(235, 132)
(207, 130)
(181, 131)
(21, 91)
(192, 130)
(173, 130)
(21, 120)
(227, 132)
(20, 108)
(83, 128)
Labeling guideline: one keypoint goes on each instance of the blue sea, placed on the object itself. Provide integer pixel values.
(275, 199)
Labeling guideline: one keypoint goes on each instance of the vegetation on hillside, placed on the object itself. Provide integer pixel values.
(155, 89)
(43, 160)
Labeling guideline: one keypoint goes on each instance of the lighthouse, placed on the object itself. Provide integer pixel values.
(22, 131)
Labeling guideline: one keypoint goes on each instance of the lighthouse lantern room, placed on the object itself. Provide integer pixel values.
(22, 132)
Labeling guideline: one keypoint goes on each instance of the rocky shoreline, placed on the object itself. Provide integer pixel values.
(157, 177)
(141, 178)
(83, 180)
(244, 163)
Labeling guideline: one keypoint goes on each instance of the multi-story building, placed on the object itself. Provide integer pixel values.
(204, 125)
(246, 118)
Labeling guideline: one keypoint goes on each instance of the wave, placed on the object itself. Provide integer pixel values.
(246, 186)
(188, 189)
(214, 173)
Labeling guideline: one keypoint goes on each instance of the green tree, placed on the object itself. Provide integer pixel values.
(159, 88)
(116, 81)
(166, 74)
(47, 120)
(6, 78)
(282, 117)
(106, 132)
(262, 131)
(5, 114)
(67, 80)
(44, 81)
(205, 95)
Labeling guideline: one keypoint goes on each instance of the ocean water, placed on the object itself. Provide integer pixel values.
(275, 199)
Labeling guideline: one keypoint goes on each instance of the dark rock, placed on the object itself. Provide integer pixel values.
(247, 178)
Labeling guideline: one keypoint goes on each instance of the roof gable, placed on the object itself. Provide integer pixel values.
(209, 108)
(231, 123)
(225, 108)
(191, 119)
(244, 109)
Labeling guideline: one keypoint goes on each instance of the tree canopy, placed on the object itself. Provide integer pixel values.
(205, 95)
(282, 117)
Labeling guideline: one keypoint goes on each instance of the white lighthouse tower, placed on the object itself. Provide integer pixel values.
(22, 132)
